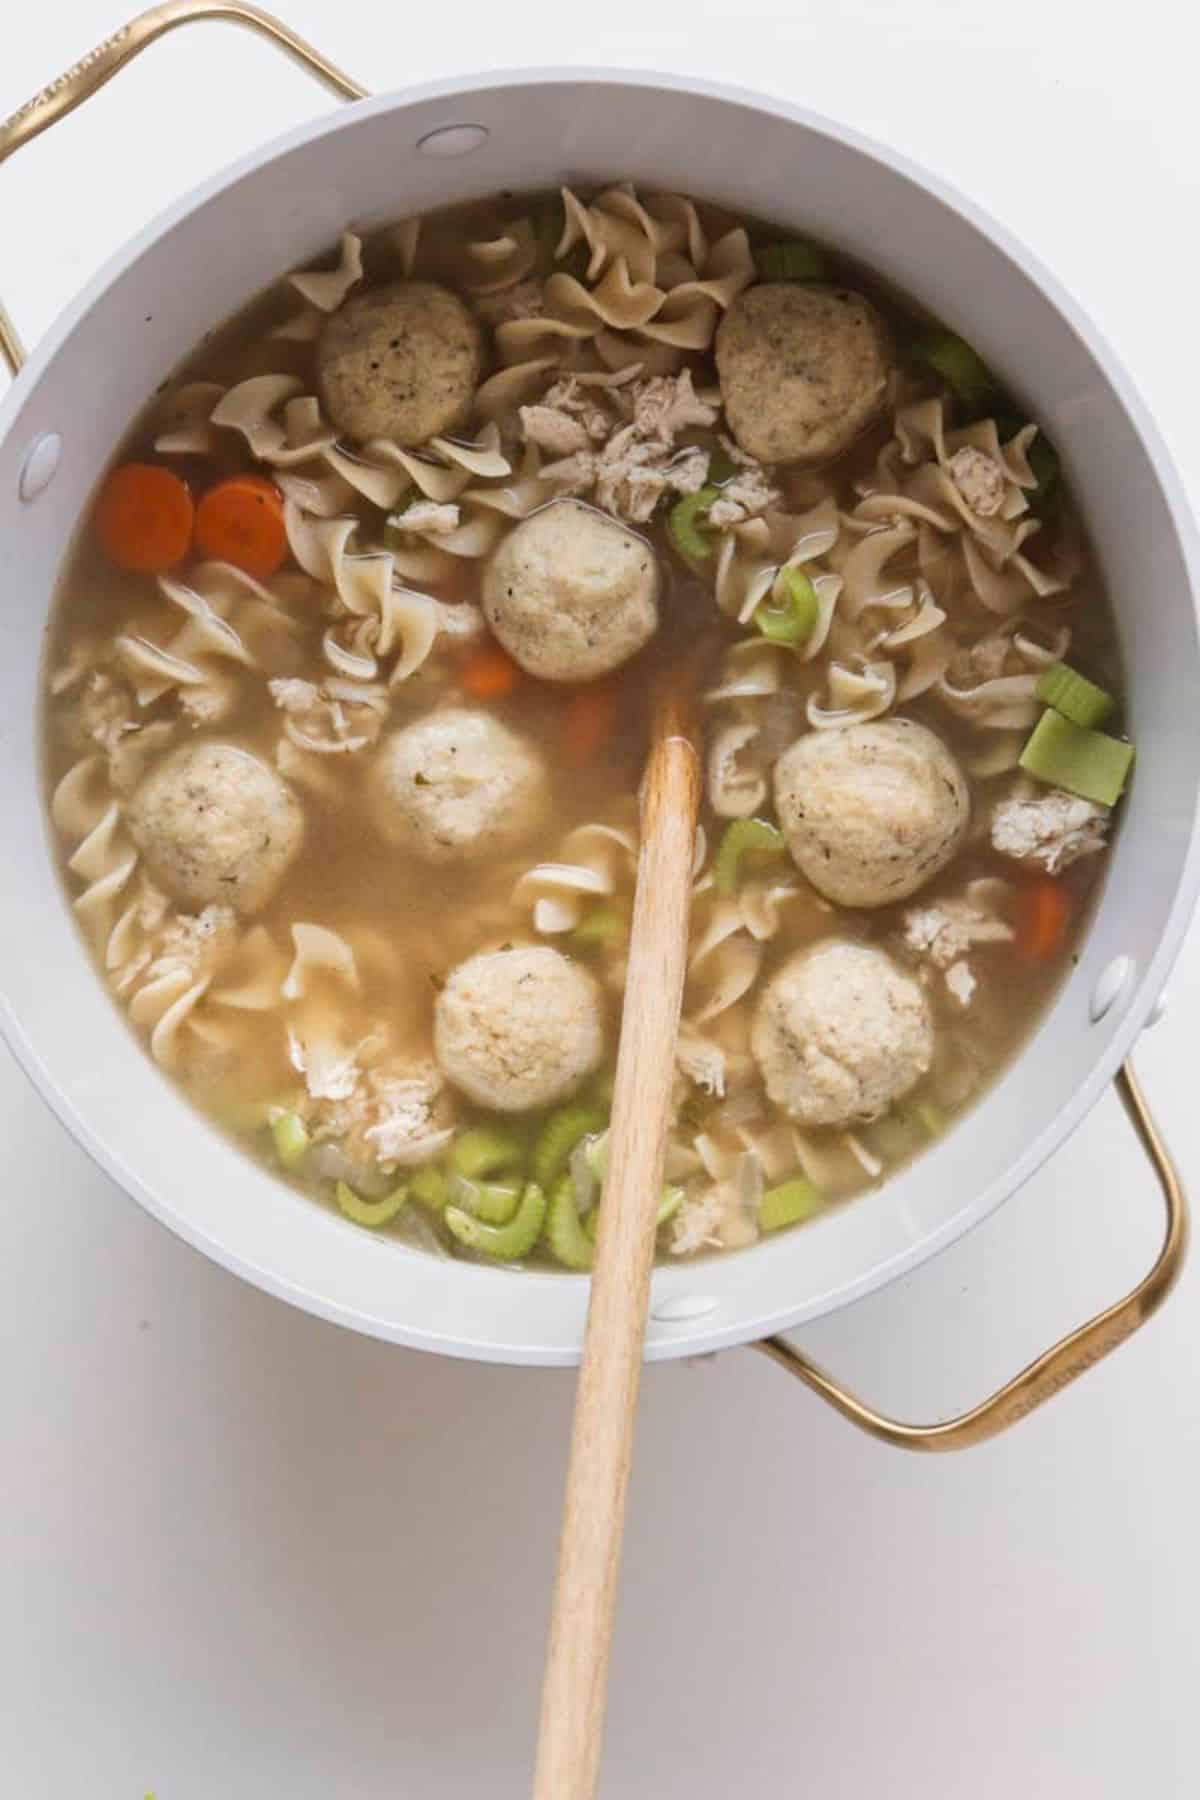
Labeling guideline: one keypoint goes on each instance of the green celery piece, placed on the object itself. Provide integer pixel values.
(1087, 763)
(505, 1242)
(740, 837)
(564, 1231)
(788, 1203)
(685, 524)
(959, 366)
(486, 1150)
(1073, 695)
(372, 1213)
(558, 1137)
(600, 925)
(494, 1202)
(790, 615)
(792, 260)
(291, 1139)
(430, 1187)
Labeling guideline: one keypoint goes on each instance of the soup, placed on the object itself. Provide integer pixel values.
(347, 699)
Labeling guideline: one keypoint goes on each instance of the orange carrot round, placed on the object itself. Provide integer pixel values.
(240, 521)
(589, 720)
(144, 518)
(1043, 913)
(489, 673)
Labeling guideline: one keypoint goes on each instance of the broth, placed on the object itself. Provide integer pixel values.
(301, 1021)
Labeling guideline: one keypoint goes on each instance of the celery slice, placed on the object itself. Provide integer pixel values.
(506, 1242)
(558, 1137)
(600, 925)
(792, 260)
(1087, 763)
(372, 1213)
(740, 837)
(788, 1203)
(494, 1202)
(430, 1187)
(790, 615)
(290, 1135)
(564, 1231)
(1073, 695)
(685, 522)
(486, 1150)
(958, 365)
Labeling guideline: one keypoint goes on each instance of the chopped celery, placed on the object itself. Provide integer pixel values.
(793, 260)
(925, 1117)
(958, 365)
(740, 837)
(669, 1204)
(790, 615)
(1073, 695)
(493, 1201)
(721, 467)
(600, 925)
(290, 1135)
(373, 1213)
(506, 1242)
(564, 1230)
(486, 1150)
(430, 1187)
(685, 522)
(788, 1203)
(1087, 763)
(395, 533)
(558, 1137)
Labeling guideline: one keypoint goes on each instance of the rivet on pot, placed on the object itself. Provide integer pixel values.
(40, 465)
(453, 140)
(681, 1307)
(1112, 984)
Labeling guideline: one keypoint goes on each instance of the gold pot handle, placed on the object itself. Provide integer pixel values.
(1059, 1366)
(91, 72)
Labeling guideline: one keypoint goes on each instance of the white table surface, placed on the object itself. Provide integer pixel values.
(244, 1555)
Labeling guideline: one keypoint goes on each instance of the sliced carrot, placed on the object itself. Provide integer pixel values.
(589, 720)
(489, 673)
(144, 518)
(240, 521)
(1043, 913)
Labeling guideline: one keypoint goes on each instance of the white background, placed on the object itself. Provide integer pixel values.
(244, 1555)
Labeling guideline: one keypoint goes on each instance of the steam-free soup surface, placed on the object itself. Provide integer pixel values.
(346, 704)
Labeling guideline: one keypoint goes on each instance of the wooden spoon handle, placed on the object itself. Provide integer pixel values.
(581, 1623)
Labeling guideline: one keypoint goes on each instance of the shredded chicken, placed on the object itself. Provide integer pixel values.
(979, 479)
(702, 1061)
(745, 496)
(429, 515)
(326, 722)
(570, 395)
(210, 702)
(697, 1224)
(389, 1118)
(945, 932)
(106, 710)
(193, 943)
(961, 982)
(665, 405)
(550, 429)
(1053, 829)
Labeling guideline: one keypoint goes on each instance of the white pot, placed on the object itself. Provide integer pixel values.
(275, 211)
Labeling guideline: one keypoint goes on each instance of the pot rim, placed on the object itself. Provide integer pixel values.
(688, 1336)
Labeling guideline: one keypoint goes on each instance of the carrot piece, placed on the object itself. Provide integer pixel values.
(489, 674)
(240, 521)
(1043, 913)
(589, 720)
(144, 518)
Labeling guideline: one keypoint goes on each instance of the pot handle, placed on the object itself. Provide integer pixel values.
(1071, 1357)
(99, 66)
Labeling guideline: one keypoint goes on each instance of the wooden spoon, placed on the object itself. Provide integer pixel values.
(573, 1693)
